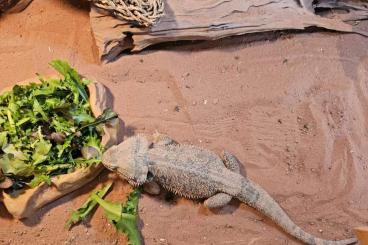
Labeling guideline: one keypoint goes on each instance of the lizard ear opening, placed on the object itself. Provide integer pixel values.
(149, 176)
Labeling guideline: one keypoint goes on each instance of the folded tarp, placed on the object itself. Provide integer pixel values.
(215, 19)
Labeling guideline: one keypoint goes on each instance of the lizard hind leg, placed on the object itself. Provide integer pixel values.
(222, 199)
(218, 200)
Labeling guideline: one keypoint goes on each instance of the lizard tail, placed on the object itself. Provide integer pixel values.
(256, 197)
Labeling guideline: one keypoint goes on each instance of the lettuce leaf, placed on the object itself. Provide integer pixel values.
(123, 217)
(13, 165)
(68, 72)
(38, 179)
(86, 209)
(41, 151)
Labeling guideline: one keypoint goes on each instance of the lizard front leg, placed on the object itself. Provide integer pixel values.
(162, 140)
(222, 199)
(231, 162)
(151, 187)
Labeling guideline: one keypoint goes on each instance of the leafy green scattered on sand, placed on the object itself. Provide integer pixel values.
(123, 217)
(84, 211)
(45, 126)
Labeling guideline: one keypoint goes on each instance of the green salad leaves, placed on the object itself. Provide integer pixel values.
(85, 210)
(123, 216)
(49, 129)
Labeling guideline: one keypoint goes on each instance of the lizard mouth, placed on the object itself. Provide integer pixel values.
(134, 181)
(109, 168)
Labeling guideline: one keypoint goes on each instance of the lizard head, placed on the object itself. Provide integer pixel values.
(129, 160)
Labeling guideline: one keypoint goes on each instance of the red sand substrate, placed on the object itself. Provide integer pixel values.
(293, 110)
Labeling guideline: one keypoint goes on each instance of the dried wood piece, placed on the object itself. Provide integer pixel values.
(215, 19)
(13, 6)
(142, 12)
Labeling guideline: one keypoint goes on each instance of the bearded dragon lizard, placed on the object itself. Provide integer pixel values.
(196, 173)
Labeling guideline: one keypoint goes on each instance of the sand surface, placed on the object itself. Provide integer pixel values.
(294, 111)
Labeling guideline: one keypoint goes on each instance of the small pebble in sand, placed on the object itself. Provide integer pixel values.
(205, 102)
(194, 103)
(320, 230)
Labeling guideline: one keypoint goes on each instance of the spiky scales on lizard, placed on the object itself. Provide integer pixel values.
(197, 173)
